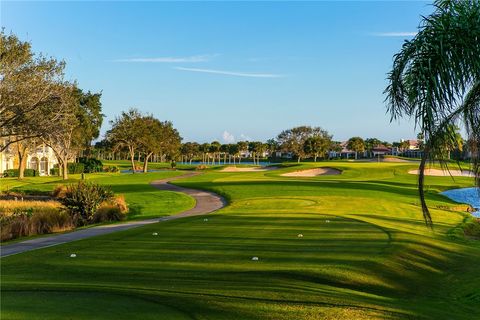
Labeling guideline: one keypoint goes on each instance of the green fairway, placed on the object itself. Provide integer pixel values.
(365, 253)
(144, 201)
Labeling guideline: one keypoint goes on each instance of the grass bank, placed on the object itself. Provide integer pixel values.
(365, 254)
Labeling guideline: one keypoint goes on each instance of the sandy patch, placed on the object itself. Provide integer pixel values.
(313, 172)
(247, 169)
(442, 173)
(394, 160)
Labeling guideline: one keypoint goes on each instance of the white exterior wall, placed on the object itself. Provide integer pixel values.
(6, 162)
(41, 159)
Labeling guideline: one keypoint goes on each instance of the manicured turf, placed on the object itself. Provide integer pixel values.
(364, 254)
(144, 201)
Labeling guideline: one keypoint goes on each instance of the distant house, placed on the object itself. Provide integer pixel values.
(381, 150)
(413, 150)
(343, 153)
(283, 154)
(41, 158)
(413, 144)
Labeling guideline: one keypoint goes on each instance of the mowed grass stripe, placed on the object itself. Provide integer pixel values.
(374, 259)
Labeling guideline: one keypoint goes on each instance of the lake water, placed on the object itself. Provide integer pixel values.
(466, 195)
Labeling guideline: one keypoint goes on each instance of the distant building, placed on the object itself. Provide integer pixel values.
(381, 150)
(283, 154)
(40, 158)
(344, 152)
(413, 144)
(413, 150)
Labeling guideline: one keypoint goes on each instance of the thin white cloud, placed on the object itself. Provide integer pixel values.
(230, 73)
(192, 59)
(244, 137)
(394, 34)
(228, 137)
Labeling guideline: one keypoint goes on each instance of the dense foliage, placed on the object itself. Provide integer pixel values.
(436, 81)
(83, 199)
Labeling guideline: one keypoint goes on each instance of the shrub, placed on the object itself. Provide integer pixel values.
(8, 207)
(83, 199)
(201, 167)
(114, 209)
(26, 218)
(120, 203)
(108, 212)
(75, 168)
(60, 191)
(15, 173)
(91, 165)
(55, 171)
(113, 169)
(48, 222)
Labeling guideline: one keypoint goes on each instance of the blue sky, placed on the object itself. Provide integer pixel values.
(230, 70)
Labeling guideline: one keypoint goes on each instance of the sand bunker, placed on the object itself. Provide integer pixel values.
(442, 173)
(394, 160)
(247, 169)
(313, 172)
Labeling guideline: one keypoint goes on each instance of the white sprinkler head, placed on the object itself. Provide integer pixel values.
(300, 235)
(155, 234)
(327, 221)
(73, 255)
(206, 219)
(254, 258)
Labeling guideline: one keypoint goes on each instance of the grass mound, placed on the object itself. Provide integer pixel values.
(365, 253)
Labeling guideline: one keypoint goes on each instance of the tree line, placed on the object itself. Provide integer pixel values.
(38, 106)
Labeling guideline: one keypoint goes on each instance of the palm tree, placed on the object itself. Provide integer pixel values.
(435, 80)
(214, 149)
(242, 147)
(356, 144)
(204, 149)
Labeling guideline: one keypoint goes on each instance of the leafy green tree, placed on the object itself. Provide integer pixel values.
(90, 116)
(318, 145)
(63, 137)
(214, 150)
(234, 151)
(404, 145)
(293, 140)
(30, 88)
(449, 142)
(272, 146)
(242, 147)
(224, 150)
(205, 149)
(356, 144)
(126, 132)
(256, 148)
(371, 143)
(157, 137)
(190, 150)
(435, 80)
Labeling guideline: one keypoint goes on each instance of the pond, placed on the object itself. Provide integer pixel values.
(466, 195)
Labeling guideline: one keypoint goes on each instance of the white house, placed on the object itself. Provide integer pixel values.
(40, 158)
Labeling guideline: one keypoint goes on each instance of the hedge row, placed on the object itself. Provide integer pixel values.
(15, 173)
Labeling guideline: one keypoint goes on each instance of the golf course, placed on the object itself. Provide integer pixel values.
(352, 245)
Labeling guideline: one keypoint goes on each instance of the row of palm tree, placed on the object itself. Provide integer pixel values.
(217, 153)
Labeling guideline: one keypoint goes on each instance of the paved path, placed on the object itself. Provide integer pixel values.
(206, 202)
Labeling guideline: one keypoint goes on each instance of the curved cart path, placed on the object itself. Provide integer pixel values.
(206, 202)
